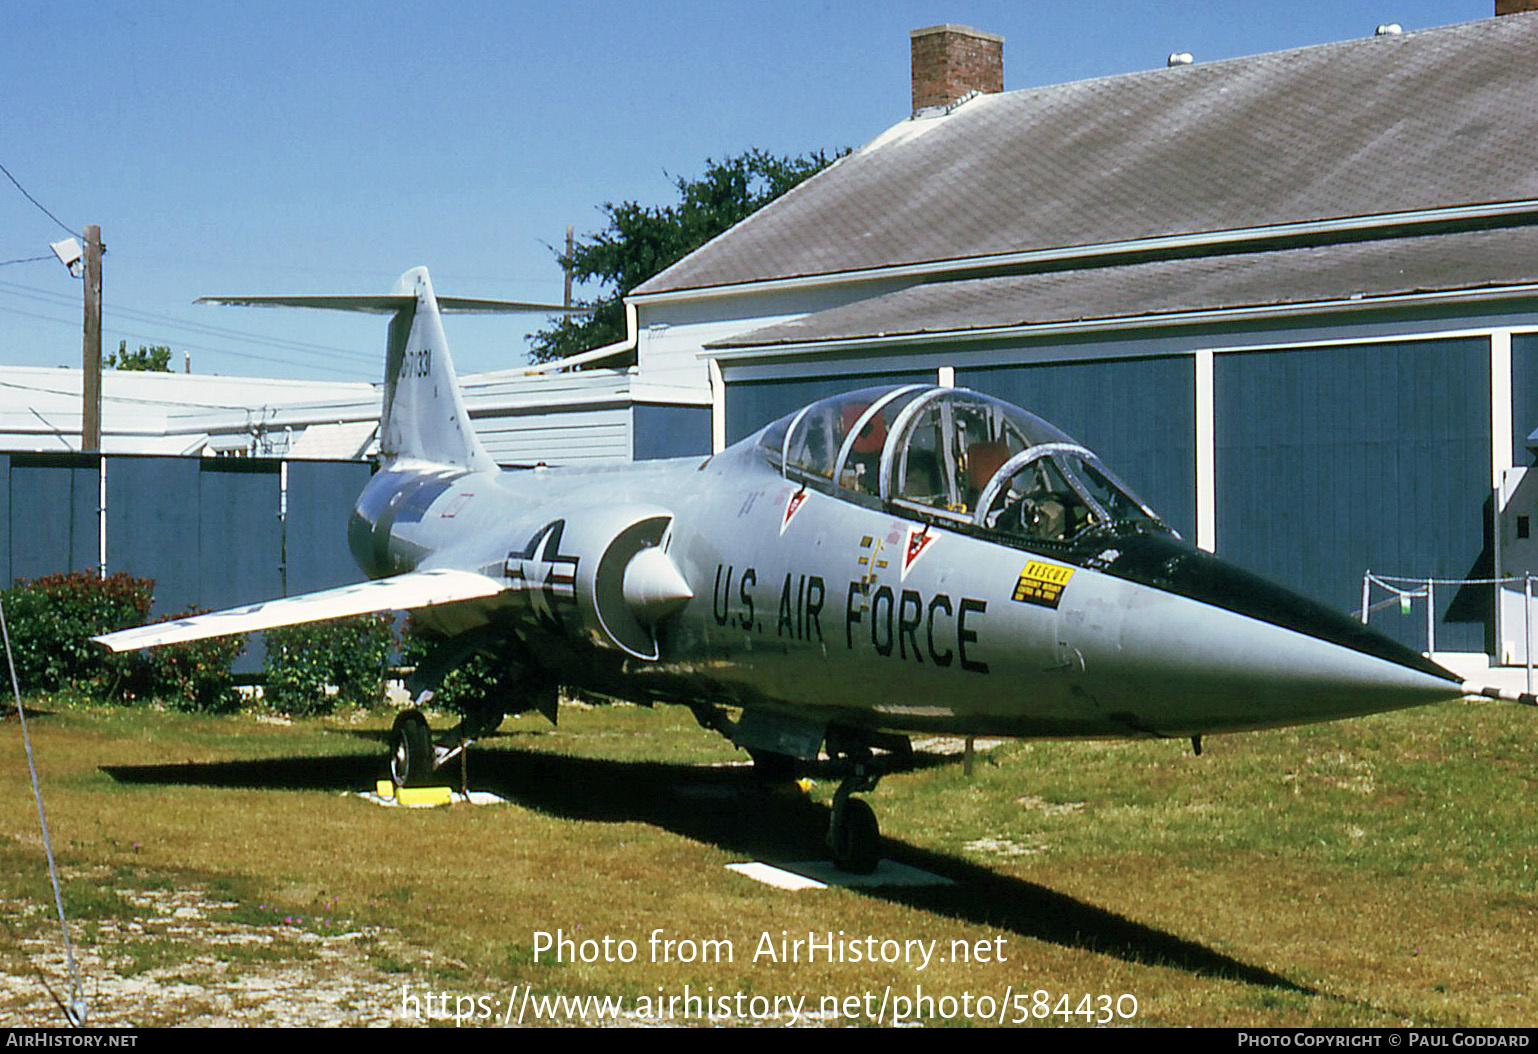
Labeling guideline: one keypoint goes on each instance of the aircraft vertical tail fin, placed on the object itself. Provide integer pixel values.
(423, 417)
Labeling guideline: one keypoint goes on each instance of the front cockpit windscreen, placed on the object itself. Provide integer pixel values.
(1057, 494)
(954, 457)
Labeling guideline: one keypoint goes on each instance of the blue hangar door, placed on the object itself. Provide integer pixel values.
(1334, 461)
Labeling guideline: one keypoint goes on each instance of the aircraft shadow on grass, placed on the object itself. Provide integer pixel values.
(731, 808)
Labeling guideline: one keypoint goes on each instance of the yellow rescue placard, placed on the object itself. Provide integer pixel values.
(1042, 584)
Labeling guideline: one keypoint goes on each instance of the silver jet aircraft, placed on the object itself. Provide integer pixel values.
(899, 560)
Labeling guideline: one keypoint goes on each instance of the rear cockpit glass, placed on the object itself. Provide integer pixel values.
(952, 444)
(865, 440)
(772, 440)
(840, 440)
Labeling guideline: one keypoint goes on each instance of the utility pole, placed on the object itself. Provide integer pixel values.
(90, 420)
(566, 266)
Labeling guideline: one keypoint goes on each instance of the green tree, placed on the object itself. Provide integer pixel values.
(640, 240)
(145, 360)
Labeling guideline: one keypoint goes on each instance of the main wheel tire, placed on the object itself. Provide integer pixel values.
(411, 750)
(855, 838)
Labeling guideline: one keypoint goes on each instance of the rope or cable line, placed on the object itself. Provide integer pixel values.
(39, 204)
(24, 259)
(76, 1009)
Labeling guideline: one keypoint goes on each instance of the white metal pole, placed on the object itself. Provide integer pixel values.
(1431, 620)
(101, 517)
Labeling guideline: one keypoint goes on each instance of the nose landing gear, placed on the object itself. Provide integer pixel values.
(854, 837)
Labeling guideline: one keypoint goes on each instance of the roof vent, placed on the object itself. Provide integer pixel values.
(1179, 58)
(1393, 29)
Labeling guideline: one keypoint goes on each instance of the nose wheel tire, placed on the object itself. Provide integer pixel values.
(411, 750)
(854, 837)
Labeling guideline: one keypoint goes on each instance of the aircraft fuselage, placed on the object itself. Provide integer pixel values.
(813, 606)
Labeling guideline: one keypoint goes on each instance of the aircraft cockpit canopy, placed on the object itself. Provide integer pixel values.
(954, 457)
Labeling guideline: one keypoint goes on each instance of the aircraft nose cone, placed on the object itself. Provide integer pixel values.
(1225, 647)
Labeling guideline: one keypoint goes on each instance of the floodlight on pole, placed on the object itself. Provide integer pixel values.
(70, 254)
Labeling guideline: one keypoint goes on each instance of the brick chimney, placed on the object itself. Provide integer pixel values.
(1515, 7)
(950, 62)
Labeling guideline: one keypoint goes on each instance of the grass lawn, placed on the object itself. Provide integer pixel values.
(1374, 872)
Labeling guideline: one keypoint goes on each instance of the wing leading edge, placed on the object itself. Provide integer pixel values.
(416, 589)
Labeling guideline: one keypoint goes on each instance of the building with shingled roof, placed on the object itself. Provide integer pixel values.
(1292, 299)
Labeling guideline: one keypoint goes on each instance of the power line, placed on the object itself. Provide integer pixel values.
(117, 331)
(24, 259)
(71, 394)
(202, 329)
(39, 204)
(49, 296)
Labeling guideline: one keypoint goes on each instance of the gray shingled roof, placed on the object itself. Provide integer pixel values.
(1351, 274)
(1364, 127)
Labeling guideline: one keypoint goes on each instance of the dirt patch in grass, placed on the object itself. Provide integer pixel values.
(183, 957)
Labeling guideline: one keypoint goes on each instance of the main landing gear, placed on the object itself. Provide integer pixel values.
(414, 756)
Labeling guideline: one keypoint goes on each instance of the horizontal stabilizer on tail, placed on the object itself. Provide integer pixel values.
(424, 417)
(388, 305)
(417, 589)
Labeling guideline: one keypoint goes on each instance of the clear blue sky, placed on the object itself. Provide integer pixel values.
(279, 147)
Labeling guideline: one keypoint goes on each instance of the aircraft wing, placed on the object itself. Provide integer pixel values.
(416, 589)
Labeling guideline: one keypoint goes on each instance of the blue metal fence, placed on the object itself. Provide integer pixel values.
(210, 532)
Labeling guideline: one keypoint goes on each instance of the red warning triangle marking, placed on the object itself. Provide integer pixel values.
(918, 541)
(791, 506)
